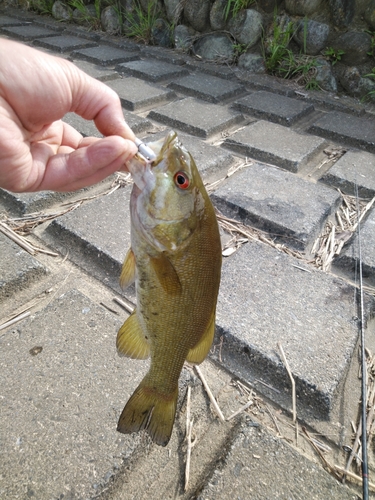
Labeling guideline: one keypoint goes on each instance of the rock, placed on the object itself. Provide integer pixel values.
(247, 27)
(85, 14)
(217, 20)
(366, 89)
(324, 76)
(110, 21)
(197, 14)
(349, 79)
(302, 7)
(173, 10)
(370, 15)
(254, 63)
(355, 45)
(161, 33)
(155, 7)
(183, 37)
(342, 12)
(311, 36)
(61, 11)
(270, 5)
(214, 47)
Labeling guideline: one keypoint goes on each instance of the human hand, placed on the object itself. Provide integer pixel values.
(37, 150)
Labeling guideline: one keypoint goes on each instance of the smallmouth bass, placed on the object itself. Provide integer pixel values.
(175, 260)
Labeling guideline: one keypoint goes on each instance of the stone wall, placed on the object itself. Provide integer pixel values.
(338, 35)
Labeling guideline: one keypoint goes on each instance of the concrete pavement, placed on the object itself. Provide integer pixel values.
(62, 384)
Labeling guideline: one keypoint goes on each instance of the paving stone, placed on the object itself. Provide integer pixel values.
(96, 235)
(352, 130)
(11, 21)
(273, 143)
(195, 117)
(207, 87)
(273, 107)
(136, 94)
(105, 55)
(21, 203)
(18, 268)
(212, 162)
(61, 401)
(245, 469)
(64, 43)
(85, 127)
(88, 129)
(96, 71)
(154, 71)
(211, 69)
(328, 102)
(355, 169)
(265, 299)
(348, 260)
(169, 55)
(265, 82)
(29, 32)
(292, 209)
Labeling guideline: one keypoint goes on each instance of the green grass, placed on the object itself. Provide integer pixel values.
(234, 6)
(138, 24)
(334, 55)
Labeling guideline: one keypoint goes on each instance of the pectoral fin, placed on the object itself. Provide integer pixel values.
(166, 274)
(198, 353)
(131, 341)
(127, 276)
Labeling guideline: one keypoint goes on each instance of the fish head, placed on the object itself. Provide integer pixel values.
(167, 201)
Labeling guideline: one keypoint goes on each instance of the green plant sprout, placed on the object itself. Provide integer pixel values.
(334, 55)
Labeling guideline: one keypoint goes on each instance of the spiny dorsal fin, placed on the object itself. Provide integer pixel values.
(131, 341)
(167, 274)
(128, 270)
(199, 352)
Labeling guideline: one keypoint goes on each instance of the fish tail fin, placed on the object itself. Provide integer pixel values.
(147, 409)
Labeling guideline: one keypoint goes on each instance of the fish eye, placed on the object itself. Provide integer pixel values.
(181, 180)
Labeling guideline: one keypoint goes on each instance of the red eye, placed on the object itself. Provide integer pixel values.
(182, 180)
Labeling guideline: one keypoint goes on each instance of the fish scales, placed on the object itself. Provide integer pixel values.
(176, 258)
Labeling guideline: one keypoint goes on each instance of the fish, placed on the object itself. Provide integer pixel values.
(175, 261)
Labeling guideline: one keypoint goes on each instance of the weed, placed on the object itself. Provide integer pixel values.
(239, 48)
(281, 61)
(372, 76)
(42, 6)
(139, 24)
(371, 52)
(92, 20)
(234, 6)
(334, 55)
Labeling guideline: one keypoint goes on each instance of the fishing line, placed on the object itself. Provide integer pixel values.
(365, 490)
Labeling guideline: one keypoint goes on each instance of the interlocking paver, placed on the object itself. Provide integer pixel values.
(196, 117)
(21, 203)
(346, 129)
(273, 143)
(64, 43)
(154, 71)
(246, 468)
(272, 107)
(64, 386)
(265, 298)
(207, 87)
(291, 209)
(354, 170)
(11, 21)
(105, 55)
(135, 94)
(96, 71)
(348, 261)
(213, 163)
(29, 32)
(97, 234)
(18, 268)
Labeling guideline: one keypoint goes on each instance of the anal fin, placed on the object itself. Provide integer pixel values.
(131, 341)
